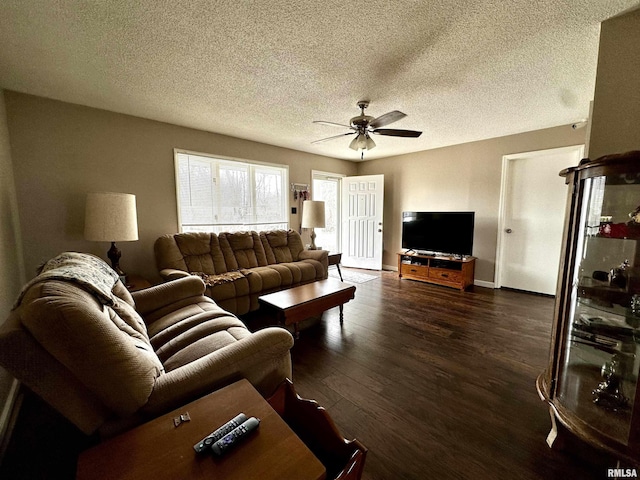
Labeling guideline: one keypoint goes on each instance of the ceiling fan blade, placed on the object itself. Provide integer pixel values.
(334, 137)
(332, 124)
(387, 118)
(392, 132)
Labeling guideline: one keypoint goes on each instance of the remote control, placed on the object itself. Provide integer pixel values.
(231, 439)
(213, 437)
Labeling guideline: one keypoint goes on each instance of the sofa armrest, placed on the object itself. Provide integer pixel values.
(173, 274)
(253, 358)
(158, 296)
(321, 256)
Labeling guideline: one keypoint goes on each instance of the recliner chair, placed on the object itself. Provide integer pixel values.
(109, 360)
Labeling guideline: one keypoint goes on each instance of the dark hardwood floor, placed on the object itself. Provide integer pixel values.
(437, 383)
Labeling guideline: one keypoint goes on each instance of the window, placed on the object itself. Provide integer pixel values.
(224, 195)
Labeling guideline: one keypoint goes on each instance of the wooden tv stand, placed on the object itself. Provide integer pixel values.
(442, 270)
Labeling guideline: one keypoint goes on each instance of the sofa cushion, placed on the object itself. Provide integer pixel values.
(191, 252)
(192, 332)
(264, 279)
(242, 250)
(106, 352)
(301, 272)
(281, 245)
(226, 290)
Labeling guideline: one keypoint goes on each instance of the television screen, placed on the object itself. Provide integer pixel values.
(438, 232)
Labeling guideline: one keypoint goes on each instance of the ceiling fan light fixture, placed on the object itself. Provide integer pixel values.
(354, 143)
(362, 142)
(370, 143)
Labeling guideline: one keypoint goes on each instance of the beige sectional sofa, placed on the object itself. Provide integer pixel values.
(108, 359)
(239, 267)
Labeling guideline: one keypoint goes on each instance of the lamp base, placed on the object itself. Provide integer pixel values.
(114, 255)
(313, 240)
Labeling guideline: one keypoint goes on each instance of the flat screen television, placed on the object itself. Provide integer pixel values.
(438, 232)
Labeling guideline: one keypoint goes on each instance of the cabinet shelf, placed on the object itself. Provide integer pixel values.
(582, 378)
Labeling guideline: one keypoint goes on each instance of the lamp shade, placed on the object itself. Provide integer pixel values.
(312, 214)
(110, 217)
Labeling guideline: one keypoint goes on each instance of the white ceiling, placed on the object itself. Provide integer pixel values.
(462, 70)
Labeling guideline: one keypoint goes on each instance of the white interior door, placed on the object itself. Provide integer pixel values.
(534, 198)
(362, 205)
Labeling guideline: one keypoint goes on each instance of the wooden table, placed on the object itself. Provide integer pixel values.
(135, 282)
(335, 259)
(299, 303)
(158, 450)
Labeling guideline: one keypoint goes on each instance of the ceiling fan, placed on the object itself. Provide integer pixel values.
(364, 125)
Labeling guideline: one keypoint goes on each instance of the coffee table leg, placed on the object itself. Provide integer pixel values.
(296, 331)
(339, 272)
(341, 315)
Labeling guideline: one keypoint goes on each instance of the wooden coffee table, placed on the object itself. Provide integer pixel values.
(299, 303)
(159, 450)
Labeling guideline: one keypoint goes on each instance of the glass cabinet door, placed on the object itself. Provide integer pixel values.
(598, 372)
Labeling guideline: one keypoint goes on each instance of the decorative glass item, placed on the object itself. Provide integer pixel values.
(618, 275)
(609, 394)
(635, 305)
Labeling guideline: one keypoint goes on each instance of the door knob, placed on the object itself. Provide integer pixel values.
(508, 230)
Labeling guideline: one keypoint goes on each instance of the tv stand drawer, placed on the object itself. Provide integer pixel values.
(415, 270)
(445, 275)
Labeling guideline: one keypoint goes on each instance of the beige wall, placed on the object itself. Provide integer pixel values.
(62, 151)
(11, 271)
(461, 177)
(616, 105)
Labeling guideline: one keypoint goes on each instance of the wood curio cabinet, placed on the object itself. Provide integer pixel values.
(591, 383)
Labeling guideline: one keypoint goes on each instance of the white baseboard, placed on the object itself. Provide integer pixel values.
(391, 268)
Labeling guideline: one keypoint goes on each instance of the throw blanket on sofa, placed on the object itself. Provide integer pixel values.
(86, 270)
(219, 279)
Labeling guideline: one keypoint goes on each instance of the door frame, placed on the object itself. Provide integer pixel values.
(504, 183)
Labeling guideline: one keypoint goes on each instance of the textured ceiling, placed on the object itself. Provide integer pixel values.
(461, 70)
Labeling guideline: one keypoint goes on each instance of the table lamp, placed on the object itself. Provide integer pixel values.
(111, 217)
(313, 217)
